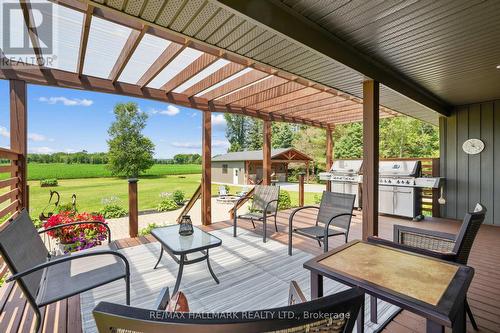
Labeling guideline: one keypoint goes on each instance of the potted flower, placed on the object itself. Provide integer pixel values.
(76, 237)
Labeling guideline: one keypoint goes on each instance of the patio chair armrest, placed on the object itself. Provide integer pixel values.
(327, 225)
(295, 294)
(448, 256)
(425, 239)
(60, 260)
(162, 300)
(267, 205)
(43, 230)
(236, 204)
(292, 215)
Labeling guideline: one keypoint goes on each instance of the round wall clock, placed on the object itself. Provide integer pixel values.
(473, 146)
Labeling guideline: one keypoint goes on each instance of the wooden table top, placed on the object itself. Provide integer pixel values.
(422, 278)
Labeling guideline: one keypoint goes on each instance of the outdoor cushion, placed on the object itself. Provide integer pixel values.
(79, 275)
(319, 231)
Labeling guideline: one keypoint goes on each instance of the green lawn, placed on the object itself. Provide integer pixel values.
(37, 171)
(91, 191)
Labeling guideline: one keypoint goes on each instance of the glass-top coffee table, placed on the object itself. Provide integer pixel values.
(177, 245)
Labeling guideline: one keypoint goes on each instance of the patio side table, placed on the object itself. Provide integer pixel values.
(177, 245)
(432, 288)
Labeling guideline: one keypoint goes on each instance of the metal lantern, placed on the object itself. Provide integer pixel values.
(186, 226)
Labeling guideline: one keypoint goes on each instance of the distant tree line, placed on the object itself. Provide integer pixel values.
(84, 157)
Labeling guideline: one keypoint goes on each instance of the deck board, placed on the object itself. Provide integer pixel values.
(484, 293)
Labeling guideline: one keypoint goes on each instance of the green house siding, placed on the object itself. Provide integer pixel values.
(471, 178)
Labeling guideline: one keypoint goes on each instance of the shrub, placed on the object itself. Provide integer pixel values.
(178, 196)
(147, 230)
(317, 199)
(67, 207)
(167, 204)
(284, 201)
(48, 182)
(113, 211)
(37, 222)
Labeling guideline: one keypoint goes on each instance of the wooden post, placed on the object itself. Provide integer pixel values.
(307, 171)
(329, 157)
(370, 157)
(436, 192)
(301, 189)
(133, 208)
(206, 178)
(19, 136)
(266, 163)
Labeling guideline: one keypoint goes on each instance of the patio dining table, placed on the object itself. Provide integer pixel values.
(429, 287)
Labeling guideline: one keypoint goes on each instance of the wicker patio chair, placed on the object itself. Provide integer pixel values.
(334, 313)
(334, 215)
(264, 206)
(441, 245)
(45, 278)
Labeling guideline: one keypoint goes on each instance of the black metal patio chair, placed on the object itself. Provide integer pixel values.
(333, 219)
(333, 313)
(264, 206)
(45, 278)
(441, 245)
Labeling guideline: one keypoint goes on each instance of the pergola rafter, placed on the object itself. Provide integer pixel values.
(31, 26)
(191, 70)
(84, 39)
(214, 78)
(130, 46)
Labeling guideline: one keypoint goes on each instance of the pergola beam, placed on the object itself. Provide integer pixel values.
(191, 70)
(30, 25)
(235, 84)
(84, 39)
(64, 79)
(214, 78)
(296, 27)
(172, 51)
(133, 41)
(265, 84)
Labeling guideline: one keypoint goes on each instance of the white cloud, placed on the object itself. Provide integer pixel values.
(67, 101)
(4, 132)
(170, 111)
(41, 150)
(218, 120)
(37, 137)
(190, 145)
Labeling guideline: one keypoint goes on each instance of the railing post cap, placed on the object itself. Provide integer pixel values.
(133, 180)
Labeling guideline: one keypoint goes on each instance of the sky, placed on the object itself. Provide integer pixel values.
(66, 120)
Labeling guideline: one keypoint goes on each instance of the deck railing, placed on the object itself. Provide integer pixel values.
(11, 195)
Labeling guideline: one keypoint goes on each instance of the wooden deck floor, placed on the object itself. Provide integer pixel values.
(484, 294)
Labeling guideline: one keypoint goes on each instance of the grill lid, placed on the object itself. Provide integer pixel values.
(399, 168)
(346, 167)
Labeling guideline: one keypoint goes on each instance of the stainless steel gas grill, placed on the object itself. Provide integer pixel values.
(345, 178)
(398, 194)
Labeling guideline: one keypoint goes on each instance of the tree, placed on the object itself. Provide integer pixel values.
(130, 152)
(236, 129)
(348, 141)
(254, 139)
(282, 135)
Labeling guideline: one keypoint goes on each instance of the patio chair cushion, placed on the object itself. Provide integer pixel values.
(319, 231)
(76, 276)
(22, 248)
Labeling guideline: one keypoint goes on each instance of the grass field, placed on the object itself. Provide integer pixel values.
(91, 192)
(37, 171)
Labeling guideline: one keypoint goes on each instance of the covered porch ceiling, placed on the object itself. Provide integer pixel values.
(180, 52)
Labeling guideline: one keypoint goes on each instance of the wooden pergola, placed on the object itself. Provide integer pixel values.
(215, 80)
